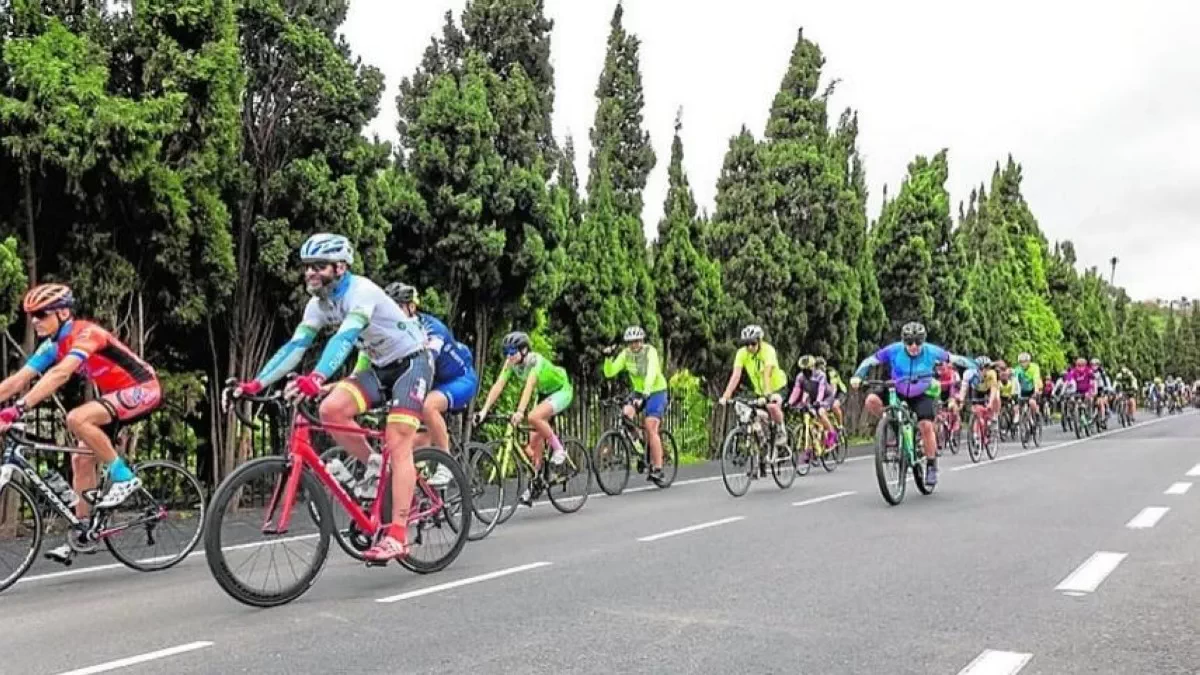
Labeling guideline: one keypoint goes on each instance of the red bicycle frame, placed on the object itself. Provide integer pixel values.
(302, 454)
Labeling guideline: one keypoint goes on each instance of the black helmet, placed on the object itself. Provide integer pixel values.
(401, 292)
(514, 342)
(913, 331)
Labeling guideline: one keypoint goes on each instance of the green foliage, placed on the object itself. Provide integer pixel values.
(12, 279)
(688, 398)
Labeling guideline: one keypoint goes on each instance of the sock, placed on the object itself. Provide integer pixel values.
(398, 532)
(119, 472)
(555, 444)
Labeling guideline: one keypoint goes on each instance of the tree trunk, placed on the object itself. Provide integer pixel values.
(30, 246)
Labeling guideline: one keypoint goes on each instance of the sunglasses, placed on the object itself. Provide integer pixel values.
(510, 352)
(912, 343)
(41, 314)
(316, 267)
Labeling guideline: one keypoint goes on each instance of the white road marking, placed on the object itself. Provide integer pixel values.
(1194, 471)
(1035, 451)
(140, 658)
(1147, 518)
(692, 528)
(993, 662)
(1087, 577)
(1178, 489)
(463, 582)
(817, 500)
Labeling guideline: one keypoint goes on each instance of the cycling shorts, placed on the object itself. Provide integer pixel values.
(559, 400)
(126, 406)
(655, 404)
(460, 390)
(403, 384)
(922, 405)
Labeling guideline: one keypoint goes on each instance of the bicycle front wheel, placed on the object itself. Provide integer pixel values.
(160, 524)
(517, 475)
(487, 489)
(890, 465)
(249, 502)
(670, 455)
(571, 482)
(611, 460)
(439, 518)
(20, 532)
(736, 461)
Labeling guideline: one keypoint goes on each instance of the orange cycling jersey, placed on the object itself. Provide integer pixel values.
(107, 362)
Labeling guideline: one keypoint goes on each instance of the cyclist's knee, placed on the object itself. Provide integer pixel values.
(629, 411)
(874, 405)
(339, 406)
(651, 424)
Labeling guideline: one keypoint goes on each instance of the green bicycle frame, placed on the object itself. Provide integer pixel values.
(903, 421)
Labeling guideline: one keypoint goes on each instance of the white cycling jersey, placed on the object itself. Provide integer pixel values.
(389, 335)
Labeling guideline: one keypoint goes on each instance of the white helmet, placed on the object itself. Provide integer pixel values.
(634, 334)
(752, 333)
(325, 247)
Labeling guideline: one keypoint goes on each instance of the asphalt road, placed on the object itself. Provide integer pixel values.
(1059, 560)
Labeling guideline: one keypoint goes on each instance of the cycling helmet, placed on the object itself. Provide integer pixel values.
(752, 333)
(1024, 357)
(515, 342)
(46, 297)
(634, 334)
(1095, 362)
(821, 363)
(807, 362)
(983, 361)
(325, 247)
(913, 331)
(401, 292)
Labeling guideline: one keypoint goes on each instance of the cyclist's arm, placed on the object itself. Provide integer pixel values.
(15, 383)
(797, 390)
(867, 364)
(653, 368)
(290, 354)
(735, 378)
(527, 392)
(496, 390)
(614, 365)
(342, 342)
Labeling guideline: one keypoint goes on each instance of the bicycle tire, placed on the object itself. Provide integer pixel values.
(918, 474)
(804, 457)
(670, 451)
(729, 467)
(881, 458)
(158, 564)
(780, 472)
(215, 555)
(975, 441)
(993, 442)
(619, 457)
(1037, 435)
(843, 446)
(514, 484)
(1025, 431)
(577, 454)
(482, 470)
(459, 477)
(36, 544)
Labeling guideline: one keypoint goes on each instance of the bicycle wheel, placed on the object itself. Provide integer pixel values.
(737, 461)
(20, 532)
(783, 469)
(517, 475)
(571, 482)
(993, 440)
(232, 518)
(1024, 428)
(843, 446)
(487, 489)
(353, 541)
(670, 459)
(1037, 435)
(803, 451)
(918, 473)
(160, 524)
(611, 458)
(891, 468)
(439, 520)
(975, 440)
(829, 455)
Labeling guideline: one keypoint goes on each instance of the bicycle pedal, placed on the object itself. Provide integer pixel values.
(377, 563)
(92, 496)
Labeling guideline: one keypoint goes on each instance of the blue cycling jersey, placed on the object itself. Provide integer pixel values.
(913, 374)
(452, 359)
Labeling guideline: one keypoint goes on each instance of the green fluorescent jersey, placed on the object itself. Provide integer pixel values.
(550, 378)
(644, 368)
(754, 364)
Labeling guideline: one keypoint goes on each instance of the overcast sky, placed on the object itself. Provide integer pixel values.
(1099, 101)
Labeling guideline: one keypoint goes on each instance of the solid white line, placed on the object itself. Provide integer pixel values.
(1178, 489)
(993, 662)
(816, 500)
(141, 658)
(1194, 471)
(693, 528)
(1087, 577)
(1148, 517)
(463, 582)
(1035, 451)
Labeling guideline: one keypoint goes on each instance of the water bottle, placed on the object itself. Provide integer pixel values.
(369, 484)
(60, 487)
(340, 473)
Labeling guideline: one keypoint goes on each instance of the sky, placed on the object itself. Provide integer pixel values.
(1098, 101)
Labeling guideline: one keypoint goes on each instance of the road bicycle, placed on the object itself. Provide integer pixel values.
(809, 434)
(749, 449)
(1083, 414)
(286, 499)
(152, 530)
(1028, 425)
(567, 486)
(1122, 404)
(620, 449)
(896, 448)
(985, 432)
(949, 429)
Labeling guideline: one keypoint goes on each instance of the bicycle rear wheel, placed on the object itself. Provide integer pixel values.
(570, 483)
(890, 465)
(737, 461)
(20, 533)
(160, 524)
(611, 458)
(439, 520)
(237, 513)
(670, 467)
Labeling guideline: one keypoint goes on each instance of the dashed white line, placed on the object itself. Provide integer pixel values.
(1178, 489)
(463, 582)
(994, 662)
(140, 658)
(1194, 471)
(1087, 577)
(692, 528)
(817, 500)
(1147, 518)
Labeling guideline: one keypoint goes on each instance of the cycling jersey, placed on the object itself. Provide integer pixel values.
(1082, 378)
(914, 375)
(107, 362)
(643, 366)
(835, 381)
(812, 389)
(754, 363)
(1008, 388)
(452, 359)
(982, 382)
(550, 378)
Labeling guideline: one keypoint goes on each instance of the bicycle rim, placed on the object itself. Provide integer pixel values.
(611, 458)
(22, 533)
(736, 461)
(439, 520)
(487, 490)
(804, 456)
(572, 481)
(517, 475)
(783, 469)
(161, 522)
(890, 464)
(975, 442)
(670, 459)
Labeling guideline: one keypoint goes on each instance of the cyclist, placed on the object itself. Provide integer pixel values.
(912, 362)
(1154, 391)
(1029, 376)
(760, 362)
(1104, 387)
(811, 388)
(839, 388)
(1009, 390)
(129, 390)
(399, 372)
(1082, 378)
(536, 373)
(950, 381)
(641, 361)
(454, 381)
(1127, 384)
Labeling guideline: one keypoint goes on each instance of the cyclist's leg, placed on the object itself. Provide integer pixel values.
(654, 408)
(873, 406)
(837, 409)
(93, 422)
(540, 419)
(775, 411)
(83, 478)
(350, 398)
(446, 397)
(923, 407)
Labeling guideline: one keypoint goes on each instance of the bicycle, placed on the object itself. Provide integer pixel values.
(178, 502)
(1008, 420)
(622, 445)
(1122, 404)
(567, 486)
(949, 429)
(895, 445)
(301, 477)
(809, 434)
(1083, 415)
(751, 463)
(1028, 426)
(985, 431)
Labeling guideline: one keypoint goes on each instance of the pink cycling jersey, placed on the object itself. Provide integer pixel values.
(1084, 379)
